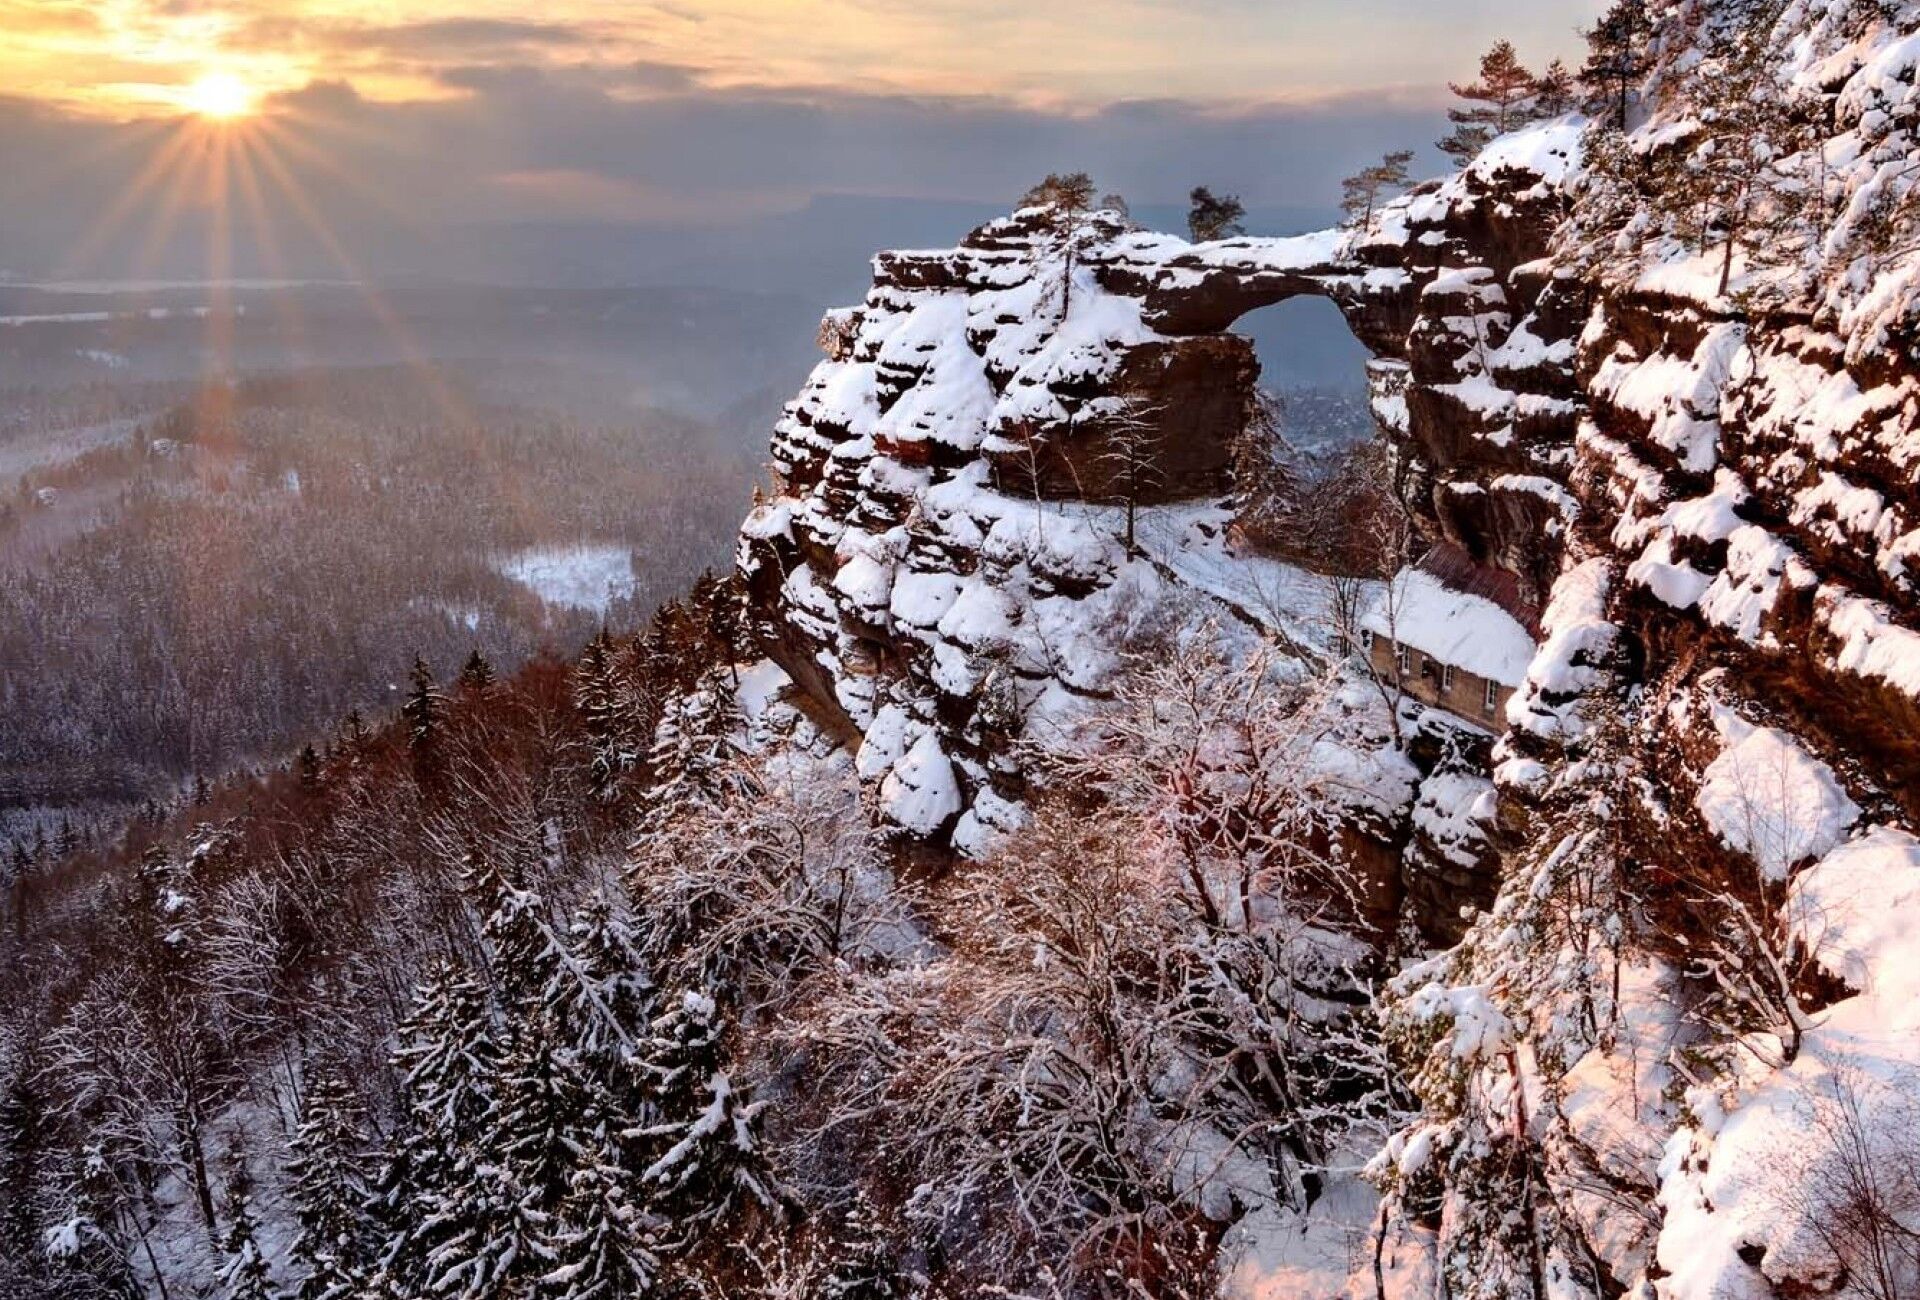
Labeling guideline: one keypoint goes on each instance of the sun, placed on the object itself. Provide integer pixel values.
(220, 96)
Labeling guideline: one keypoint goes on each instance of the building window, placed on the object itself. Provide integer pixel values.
(1402, 661)
(1446, 677)
(1492, 699)
(1366, 639)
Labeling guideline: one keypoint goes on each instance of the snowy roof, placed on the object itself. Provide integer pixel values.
(1469, 632)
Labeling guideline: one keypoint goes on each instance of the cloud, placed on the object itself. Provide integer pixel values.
(453, 36)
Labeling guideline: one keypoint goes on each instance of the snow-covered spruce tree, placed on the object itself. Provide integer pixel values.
(602, 997)
(694, 748)
(448, 1058)
(331, 1184)
(706, 1161)
(606, 1247)
(613, 744)
(490, 1241)
(88, 1254)
(425, 704)
(245, 1273)
(544, 1118)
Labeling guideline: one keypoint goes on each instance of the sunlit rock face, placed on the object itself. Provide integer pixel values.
(925, 569)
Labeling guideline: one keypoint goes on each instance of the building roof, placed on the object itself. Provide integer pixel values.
(1458, 570)
(1455, 627)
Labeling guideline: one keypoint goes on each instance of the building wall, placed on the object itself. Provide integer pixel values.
(1426, 679)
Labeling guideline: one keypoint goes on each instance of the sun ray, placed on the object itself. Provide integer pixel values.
(412, 355)
(157, 171)
(260, 221)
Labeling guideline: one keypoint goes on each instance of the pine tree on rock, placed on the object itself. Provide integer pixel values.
(1496, 103)
(1213, 216)
(244, 1274)
(1068, 193)
(607, 1248)
(331, 1188)
(1616, 59)
(1555, 93)
(1363, 192)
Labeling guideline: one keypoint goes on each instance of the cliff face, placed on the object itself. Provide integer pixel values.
(944, 568)
(1707, 785)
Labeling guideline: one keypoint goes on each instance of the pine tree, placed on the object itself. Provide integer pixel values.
(424, 707)
(1496, 103)
(611, 740)
(1363, 191)
(606, 1249)
(544, 1114)
(308, 766)
(1616, 58)
(1726, 187)
(1211, 216)
(476, 674)
(705, 1134)
(331, 1188)
(1555, 93)
(1068, 193)
(244, 1274)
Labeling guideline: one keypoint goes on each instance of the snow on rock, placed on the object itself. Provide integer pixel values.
(1454, 811)
(920, 792)
(1751, 1188)
(1771, 800)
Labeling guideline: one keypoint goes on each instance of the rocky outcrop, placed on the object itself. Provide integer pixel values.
(943, 567)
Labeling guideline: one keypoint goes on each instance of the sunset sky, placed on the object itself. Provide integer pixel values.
(131, 57)
(433, 113)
